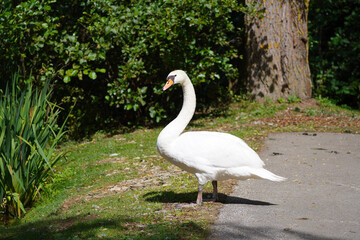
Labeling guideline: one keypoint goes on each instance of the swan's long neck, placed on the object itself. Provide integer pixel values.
(177, 126)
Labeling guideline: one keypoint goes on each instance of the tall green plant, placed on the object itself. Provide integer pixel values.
(28, 137)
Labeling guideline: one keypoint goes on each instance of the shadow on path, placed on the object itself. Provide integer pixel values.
(172, 197)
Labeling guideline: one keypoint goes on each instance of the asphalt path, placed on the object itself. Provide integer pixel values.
(319, 200)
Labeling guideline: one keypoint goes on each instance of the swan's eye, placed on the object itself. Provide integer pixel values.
(172, 77)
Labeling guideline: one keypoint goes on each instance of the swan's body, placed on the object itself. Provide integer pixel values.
(211, 156)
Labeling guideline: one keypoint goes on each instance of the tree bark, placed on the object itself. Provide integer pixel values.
(277, 50)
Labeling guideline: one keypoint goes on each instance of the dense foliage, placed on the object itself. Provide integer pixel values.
(111, 57)
(28, 137)
(335, 49)
(108, 59)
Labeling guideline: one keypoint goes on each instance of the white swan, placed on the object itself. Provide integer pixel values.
(211, 156)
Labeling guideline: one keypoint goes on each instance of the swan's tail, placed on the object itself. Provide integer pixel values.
(243, 173)
(265, 174)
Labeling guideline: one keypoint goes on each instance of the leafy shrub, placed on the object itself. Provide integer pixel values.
(28, 137)
(311, 111)
(281, 100)
(293, 99)
(325, 102)
(112, 57)
(334, 50)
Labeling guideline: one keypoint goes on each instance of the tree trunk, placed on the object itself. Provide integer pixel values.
(277, 50)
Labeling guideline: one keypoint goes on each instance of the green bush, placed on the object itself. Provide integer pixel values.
(111, 57)
(293, 99)
(334, 35)
(28, 137)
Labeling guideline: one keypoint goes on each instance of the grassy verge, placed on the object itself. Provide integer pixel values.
(117, 187)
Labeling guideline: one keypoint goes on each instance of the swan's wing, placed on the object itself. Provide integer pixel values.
(216, 149)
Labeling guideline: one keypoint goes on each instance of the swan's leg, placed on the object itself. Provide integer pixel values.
(215, 191)
(199, 197)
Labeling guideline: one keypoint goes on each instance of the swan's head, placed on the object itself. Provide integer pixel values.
(177, 76)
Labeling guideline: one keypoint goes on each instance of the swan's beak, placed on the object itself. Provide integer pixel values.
(169, 83)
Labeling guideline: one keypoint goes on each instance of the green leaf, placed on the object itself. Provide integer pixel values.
(80, 75)
(66, 79)
(82, 61)
(102, 56)
(136, 107)
(102, 70)
(92, 75)
(74, 73)
(152, 112)
(143, 90)
(92, 56)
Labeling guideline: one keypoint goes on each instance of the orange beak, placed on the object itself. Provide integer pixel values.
(169, 83)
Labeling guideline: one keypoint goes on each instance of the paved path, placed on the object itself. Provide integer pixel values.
(320, 199)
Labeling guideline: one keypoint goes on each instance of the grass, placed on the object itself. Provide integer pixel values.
(118, 187)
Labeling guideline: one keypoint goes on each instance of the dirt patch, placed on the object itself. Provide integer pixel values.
(290, 117)
(64, 224)
(308, 103)
(68, 203)
(155, 176)
(112, 172)
(308, 113)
